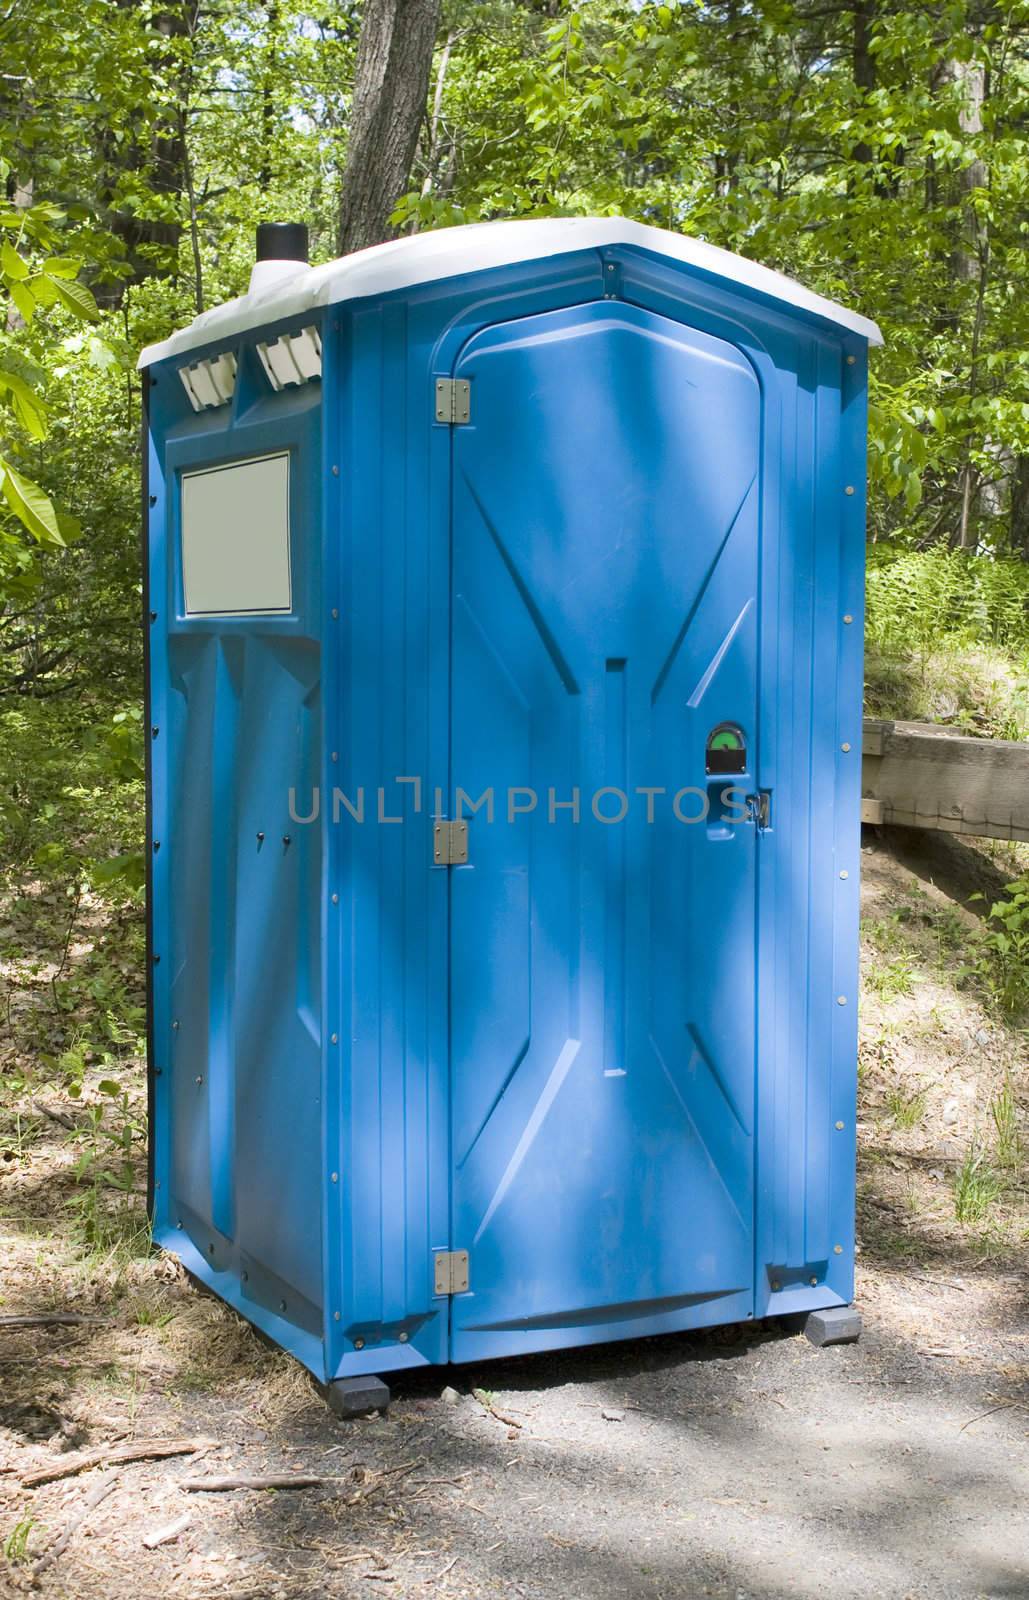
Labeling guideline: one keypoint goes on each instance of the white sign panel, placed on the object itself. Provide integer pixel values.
(235, 538)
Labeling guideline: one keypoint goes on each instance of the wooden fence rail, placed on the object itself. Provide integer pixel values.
(924, 776)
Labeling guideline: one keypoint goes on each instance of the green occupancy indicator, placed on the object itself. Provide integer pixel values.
(726, 739)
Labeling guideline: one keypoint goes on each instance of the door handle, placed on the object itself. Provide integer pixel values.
(759, 809)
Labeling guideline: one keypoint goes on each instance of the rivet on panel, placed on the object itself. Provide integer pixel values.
(175, 1025)
(813, 1282)
(153, 499)
(358, 1344)
(848, 619)
(153, 616)
(156, 960)
(851, 360)
(336, 1317)
(849, 489)
(335, 755)
(403, 1337)
(845, 748)
(282, 1305)
(844, 873)
(154, 731)
(335, 899)
(260, 838)
(198, 1080)
(335, 1177)
(776, 1287)
(840, 1127)
(335, 472)
(837, 1249)
(157, 845)
(179, 1223)
(334, 1038)
(335, 613)
(841, 999)
(286, 840)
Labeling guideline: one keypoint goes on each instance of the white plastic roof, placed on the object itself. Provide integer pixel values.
(448, 252)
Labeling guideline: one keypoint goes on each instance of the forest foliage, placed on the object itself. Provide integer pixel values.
(876, 151)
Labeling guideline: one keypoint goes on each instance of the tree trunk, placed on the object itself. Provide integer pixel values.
(863, 66)
(391, 84)
(970, 258)
(967, 258)
(155, 156)
(1020, 506)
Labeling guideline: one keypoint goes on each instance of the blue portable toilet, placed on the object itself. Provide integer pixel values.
(504, 606)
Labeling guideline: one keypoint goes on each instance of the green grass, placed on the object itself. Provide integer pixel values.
(907, 1110)
(16, 1545)
(890, 979)
(1007, 1142)
(977, 1187)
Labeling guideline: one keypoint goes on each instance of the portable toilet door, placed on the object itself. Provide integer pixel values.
(545, 591)
(582, 683)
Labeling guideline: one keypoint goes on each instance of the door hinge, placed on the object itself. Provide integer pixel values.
(450, 844)
(759, 809)
(453, 400)
(451, 1271)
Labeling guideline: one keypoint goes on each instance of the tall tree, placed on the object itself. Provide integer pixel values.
(391, 83)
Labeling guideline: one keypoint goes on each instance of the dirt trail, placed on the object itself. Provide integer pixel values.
(738, 1463)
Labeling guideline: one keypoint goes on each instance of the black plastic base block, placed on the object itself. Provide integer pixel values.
(356, 1397)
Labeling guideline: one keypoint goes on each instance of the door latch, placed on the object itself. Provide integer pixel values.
(759, 809)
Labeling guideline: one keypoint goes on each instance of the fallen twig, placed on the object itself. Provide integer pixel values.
(943, 1283)
(140, 1450)
(275, 1480)
(55, 1114)
(48, 1319)
(99, 1492)
(1002, 1405)
(487, 1405)
(170, 1531)
(1008, 1404)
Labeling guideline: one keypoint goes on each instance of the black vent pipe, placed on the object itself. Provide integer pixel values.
(282, 241)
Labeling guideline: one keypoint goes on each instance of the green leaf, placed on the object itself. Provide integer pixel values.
(28, 408)
(42, 289)
(108, 1086)
(62, 267)
(21, 294)
(128, 869)
(30, 505)
(12, 264)
(78, 299)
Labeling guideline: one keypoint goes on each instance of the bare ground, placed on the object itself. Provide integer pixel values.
(737, 1463)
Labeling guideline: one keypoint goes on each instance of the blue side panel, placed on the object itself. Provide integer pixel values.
(389, 964)
(236, 712)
